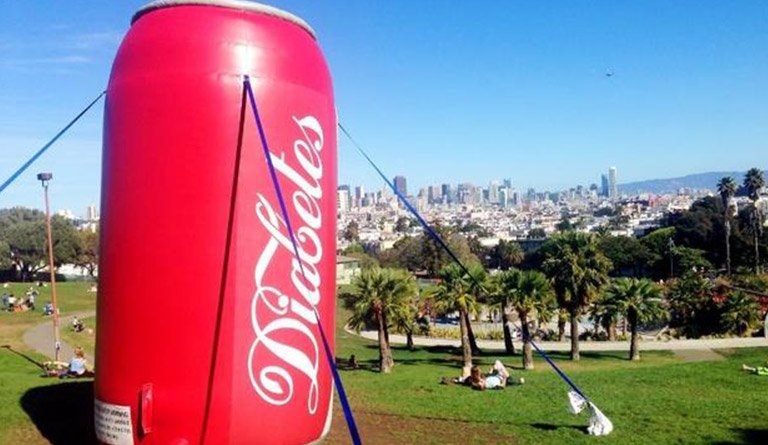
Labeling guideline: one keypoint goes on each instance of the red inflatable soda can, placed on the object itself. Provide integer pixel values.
(206, 325)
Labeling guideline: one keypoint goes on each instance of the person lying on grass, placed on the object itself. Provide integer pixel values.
(497, 378)
(758, 370)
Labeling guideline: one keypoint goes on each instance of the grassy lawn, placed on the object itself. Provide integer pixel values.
(22, 391)
(660, 400)
(85, 339)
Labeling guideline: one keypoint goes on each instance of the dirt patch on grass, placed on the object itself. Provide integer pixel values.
(698, 355)
(389, 429)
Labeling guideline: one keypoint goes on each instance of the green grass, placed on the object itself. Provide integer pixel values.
(660, 400)
(85, 339)
(71, 297)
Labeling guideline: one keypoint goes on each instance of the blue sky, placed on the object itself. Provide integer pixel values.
(443, 91)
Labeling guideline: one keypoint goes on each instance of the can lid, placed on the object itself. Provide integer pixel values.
(232, 4)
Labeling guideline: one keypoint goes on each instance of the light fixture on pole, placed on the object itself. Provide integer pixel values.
(45, 178)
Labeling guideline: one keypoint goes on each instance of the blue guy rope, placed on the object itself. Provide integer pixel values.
(353, 432)
(40, 152)
(437, 238)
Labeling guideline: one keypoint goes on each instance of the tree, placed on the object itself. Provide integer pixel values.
(502, 286)
(28, 243)
(5, 255)
(533, 295)
(628, 255)
(352, 232)
(405, 317)
(377, 296)
(565, 224)
(506, 254)
(456, 292)
(433, 255)
(577, 269)
(740, 313)
(605, 313)
(692, 307)
(727, 189)
(536, 233)
(88, 257)
(403, 224)
(753, 182)
(640, 302)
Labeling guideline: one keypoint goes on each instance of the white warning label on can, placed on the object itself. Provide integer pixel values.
(113, 423)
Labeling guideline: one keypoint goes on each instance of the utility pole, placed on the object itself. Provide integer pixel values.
(45, 178)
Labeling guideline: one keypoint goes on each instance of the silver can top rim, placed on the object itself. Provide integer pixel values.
(242, 5)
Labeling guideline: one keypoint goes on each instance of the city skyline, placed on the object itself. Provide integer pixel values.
(456, 95)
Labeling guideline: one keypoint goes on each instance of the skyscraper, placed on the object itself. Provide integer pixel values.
(613, 189)
(400, 185)
(342, 198)
(493, 192)
(446, 193)
(604, 185)
(359, 194)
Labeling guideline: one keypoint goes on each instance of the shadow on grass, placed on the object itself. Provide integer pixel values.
(552, 427)
(63, 413)
(749, 436)
(24, 356)
(373, 364)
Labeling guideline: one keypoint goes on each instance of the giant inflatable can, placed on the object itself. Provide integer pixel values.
(206, 324)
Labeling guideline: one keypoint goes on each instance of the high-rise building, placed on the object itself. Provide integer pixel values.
(91, 214)
(504, 197)
(446, 193)
(342, 198)
(613, 189)
(604, 189)
(508, 183)
(400, 185)
(359, 195)
(493, 192)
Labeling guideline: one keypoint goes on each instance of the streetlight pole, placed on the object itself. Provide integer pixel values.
(44, 178)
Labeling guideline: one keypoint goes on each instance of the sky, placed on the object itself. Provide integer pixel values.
(441, 91)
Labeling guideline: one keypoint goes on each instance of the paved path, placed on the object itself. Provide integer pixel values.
(647, 345)
(40, 337)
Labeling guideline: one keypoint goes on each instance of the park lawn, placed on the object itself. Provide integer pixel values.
(85, 339)
(20, 381)
(658, 400)
(71, 297)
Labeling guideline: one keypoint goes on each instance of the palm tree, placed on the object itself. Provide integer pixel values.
(456, 292)
(577, 269)
(740, 313)
(376, 296)
(531, 294)
(605, 314)
(502, 286)
(640, 301)
(404, 318)
(727, 189)
(753, 182)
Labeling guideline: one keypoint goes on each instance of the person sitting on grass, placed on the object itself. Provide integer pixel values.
(77, 325)
(77, 366)
(758, 370)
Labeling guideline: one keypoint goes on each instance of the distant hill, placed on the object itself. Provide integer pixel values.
(671, 185)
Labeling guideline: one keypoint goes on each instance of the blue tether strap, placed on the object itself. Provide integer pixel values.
(278, 191)
(40, 152)
(437, 238)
